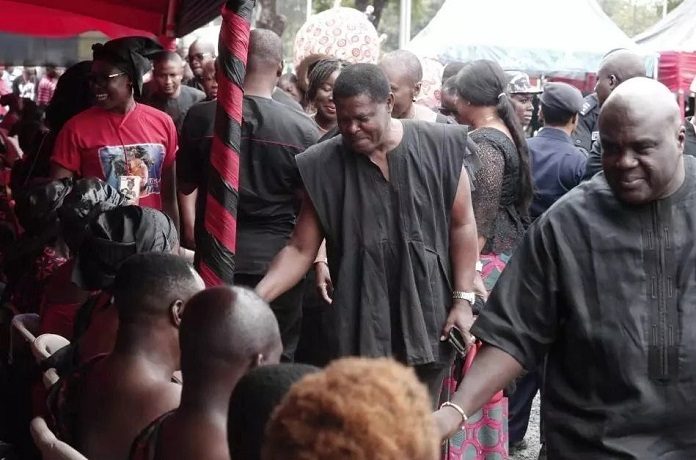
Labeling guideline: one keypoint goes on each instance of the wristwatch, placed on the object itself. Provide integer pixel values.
(461, 295)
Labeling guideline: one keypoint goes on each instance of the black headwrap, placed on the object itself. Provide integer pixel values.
(114, 236)
(36, 207)
(131, 55)
(87, 199)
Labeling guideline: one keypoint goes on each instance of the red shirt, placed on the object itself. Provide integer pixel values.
(108, 145)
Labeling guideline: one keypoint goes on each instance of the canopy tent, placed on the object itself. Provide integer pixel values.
(114, 18)
(548, 37)
(675, 32)
(675, 38)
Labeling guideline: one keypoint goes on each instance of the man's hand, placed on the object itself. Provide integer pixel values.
(461, 316)
(323, 279)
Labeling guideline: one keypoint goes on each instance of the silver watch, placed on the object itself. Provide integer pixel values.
(461, 295)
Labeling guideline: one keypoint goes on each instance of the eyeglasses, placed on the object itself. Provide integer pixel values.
(197, 57)
(102, 80)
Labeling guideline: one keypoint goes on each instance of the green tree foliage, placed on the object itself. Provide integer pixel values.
(635, 16)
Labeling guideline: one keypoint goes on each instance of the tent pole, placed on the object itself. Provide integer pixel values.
(217, 243)
(405, 23)
(309, 9)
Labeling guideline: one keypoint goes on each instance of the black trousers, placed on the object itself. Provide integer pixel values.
(520, 405)
(288, 311)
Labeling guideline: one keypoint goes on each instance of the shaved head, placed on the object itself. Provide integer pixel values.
(198, 52)
(229, 327)
(404, 72)
(148, 285)
(404, 63)
(265, 51)
(617, 67)
(168, 56)
(201, 46)
(642, 140)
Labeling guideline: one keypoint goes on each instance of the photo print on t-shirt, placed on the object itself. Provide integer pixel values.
(141, 160)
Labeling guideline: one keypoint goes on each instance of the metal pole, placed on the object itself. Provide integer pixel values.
(405, 23)
(664, 8)
(309, 9)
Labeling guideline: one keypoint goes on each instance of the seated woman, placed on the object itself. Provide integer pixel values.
(61, 299)
(40, 250)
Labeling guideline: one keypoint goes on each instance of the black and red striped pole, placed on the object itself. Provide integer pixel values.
(218, 243)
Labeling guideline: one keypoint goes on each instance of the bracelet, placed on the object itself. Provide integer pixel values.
(458, 409)
(322, 261)
(461, 295)
(479, 266)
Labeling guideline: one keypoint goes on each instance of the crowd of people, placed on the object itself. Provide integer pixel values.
(380, 245)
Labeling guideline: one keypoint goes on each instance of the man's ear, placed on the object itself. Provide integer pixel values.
(281, 66)
(176, 310)
(417, 90)
(390, 102)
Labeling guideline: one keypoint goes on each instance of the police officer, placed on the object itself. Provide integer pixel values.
(586, 132)
(617, 67)
(557, 164)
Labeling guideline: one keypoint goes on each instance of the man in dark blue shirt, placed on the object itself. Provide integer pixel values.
(557, 164)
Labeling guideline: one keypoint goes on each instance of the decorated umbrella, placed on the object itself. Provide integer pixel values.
(431, 83)
(343, 33)
(218, 245)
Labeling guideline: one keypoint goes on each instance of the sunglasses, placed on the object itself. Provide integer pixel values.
(197, 57)
(102, 80)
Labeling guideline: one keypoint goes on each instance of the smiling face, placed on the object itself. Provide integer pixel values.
(642, 152)
(323, 101)
(111, 87)
(363, 122)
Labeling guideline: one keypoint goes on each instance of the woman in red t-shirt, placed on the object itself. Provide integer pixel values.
(129, 145)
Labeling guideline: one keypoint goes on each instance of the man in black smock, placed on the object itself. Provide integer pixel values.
(604, 285)
(392, 199)
(272, 134)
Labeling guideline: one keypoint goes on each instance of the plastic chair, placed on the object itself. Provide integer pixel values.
(47, 344)
(51, 448)
(24, 325)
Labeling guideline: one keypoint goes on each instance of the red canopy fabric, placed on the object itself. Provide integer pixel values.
(114, 18)
(677, 70)
(31, 18)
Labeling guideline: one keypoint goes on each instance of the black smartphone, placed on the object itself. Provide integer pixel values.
(456, 339)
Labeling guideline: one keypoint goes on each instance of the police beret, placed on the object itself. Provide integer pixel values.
(562, 96)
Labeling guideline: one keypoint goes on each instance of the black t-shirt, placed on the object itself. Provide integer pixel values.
(176, 107)
(272, 134)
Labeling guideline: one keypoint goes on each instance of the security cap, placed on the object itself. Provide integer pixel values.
(562, 96)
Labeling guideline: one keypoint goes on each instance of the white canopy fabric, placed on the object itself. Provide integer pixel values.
(549, 37)
(675, 32)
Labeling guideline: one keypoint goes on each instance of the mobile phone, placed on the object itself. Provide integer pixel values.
(456, 339)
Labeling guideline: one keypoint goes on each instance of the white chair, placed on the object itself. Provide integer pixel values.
(24, 325)
(47, 344)
(42, 348)
(51, 448)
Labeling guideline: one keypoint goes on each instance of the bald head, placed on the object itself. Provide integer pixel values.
(642, 141)
(199, 51)
(229, 327)
(616, 68)
(404, 72)
(149, 285)
(404, 63)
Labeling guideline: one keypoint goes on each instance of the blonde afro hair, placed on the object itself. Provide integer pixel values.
(356, 409)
